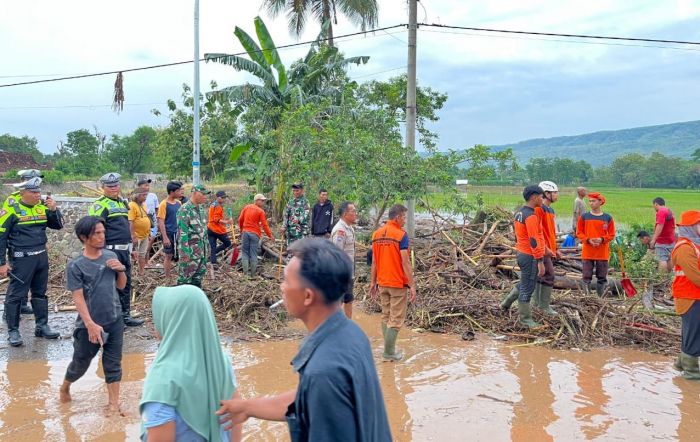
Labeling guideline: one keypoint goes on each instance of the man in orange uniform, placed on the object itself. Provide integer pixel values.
(685, 259)
(216, 227)
(530, 248)
(249, 221)
(595, 230)
(392, 274)
(545, 284)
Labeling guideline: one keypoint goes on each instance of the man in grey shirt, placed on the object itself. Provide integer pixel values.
(579, 206)
(93, 279)
(343, 236)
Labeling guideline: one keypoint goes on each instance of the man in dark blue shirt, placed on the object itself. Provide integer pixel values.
(338, 397)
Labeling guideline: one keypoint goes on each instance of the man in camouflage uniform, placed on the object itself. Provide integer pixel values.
(192, 246)
(24, 175)
(297, 216)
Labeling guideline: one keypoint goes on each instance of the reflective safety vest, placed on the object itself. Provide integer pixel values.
(116, 215)
(682, 287)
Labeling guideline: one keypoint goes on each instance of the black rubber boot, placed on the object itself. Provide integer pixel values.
(129, 321)
(41, 314)
(12, 311)
(600, 288)
(510, 298)
(25, 309)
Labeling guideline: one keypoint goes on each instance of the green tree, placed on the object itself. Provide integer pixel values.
(133, 153)
(82, 154)
(362, 13)
(480, 163)
(24, 144)
(695, 156)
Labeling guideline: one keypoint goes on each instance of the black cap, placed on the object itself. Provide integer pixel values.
(144, 181)
(297, 186)
(221, 194)
(532, 190)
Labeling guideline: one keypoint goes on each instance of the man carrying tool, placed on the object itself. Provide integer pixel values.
(595, 230)
(192, 224)
(24, 175)
(392, 277)
(664, 236)
(250, 220)
(296, 216)
(217, 226)
(685, 259)
(530, 251)
(343, 236)
(23, 237)
(115, 211)
(542, 296)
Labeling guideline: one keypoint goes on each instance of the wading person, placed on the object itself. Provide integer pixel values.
(343, 236)
(685, 259)
(192, 226)
(94, 278)
(595, 231)
(115, 211)
(579, 207)
(251, 219)
(189, 377)
(167, 224)
(530, 251)
(392, 277)
(664, 236)
(24, 175)
(140, 226)
(338, 397)
(295, 219)
(217, 226)
(322, 216)
(23, 257)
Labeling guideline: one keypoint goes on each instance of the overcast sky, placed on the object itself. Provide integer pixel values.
(501, 89)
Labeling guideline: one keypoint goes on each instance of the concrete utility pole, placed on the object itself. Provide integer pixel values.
(195, 93)
(411, 102)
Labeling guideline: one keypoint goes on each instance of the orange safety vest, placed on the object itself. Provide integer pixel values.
(386, 253)
(682, 287)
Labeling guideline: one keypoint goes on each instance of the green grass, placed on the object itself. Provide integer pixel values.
(627, 206)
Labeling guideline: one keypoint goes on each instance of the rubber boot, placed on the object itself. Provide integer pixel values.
(525, 312)
(510, 298)
(545, 299)
(678, 363)
(253, 269)
(390, 353)
(246, 266)
(126, 312)
(383, 330)
(15, 338)
(690, 367)
(585, 287)
(535, 299)
(41, 314)
(24, 308)
(600, 288)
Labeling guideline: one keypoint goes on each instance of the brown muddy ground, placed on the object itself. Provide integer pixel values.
(446, 390)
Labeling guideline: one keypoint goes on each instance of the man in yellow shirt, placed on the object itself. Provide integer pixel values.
(140, 226)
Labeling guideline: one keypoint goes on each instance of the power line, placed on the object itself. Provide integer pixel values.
(178, 63)
(77, 106)
(552, 34)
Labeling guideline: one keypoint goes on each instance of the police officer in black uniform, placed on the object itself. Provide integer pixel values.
(115, 211)
(23, 237)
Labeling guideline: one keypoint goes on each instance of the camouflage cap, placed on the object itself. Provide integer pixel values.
(201, 188)
(26, 174)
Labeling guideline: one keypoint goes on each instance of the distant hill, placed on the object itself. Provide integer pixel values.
(601, 148)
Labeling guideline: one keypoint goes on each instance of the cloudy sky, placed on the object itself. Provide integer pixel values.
(501, 88)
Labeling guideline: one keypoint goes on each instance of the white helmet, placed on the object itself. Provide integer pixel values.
(549, 186)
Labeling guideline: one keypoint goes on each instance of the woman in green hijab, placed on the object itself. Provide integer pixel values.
(190, 375)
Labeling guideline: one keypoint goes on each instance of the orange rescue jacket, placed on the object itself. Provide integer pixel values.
(682, 287)
(386, 254)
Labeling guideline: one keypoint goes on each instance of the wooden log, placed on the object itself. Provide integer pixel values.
(270, 250)
(486, 238)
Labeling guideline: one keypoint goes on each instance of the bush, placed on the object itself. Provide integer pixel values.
(54, 177)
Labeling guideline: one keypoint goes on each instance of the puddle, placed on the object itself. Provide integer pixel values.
(446, 390)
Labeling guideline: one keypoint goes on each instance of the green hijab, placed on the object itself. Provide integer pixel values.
(190, 372)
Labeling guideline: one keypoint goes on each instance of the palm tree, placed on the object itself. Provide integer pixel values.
(362, 13)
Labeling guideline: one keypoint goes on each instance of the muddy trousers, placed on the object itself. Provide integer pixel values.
(125, 294)
(84, 352)
(28, 273)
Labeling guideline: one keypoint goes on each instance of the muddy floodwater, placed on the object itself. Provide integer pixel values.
(445, 390)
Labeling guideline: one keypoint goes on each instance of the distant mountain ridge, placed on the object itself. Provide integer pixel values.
(601, 148)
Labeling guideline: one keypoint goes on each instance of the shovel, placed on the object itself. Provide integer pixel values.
(236, 251)
(626, 283)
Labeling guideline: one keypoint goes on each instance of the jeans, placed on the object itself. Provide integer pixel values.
(249, 252)
(213, 238)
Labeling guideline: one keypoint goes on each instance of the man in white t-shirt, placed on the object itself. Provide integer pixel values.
(151, 208)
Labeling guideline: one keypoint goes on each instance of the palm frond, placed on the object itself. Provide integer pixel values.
(245, 65)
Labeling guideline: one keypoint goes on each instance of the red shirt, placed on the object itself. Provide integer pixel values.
(251, 218)
(216, 215)
(665, 218)
(549, 229)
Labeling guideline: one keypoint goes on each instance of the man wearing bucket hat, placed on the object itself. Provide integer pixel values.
(115, 211)
(595, 230)
(192, 248)
(23, 237)
(685, 259)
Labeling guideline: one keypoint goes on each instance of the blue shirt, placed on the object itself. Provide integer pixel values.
(339, 397)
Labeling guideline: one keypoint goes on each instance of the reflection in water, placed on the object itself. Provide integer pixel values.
(445, 390)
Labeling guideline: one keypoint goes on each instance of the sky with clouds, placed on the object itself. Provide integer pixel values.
(501, 88)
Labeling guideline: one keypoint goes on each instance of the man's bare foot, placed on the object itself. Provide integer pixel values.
(115, 410)
(64, 393)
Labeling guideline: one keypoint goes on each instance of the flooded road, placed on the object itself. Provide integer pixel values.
(446, 390)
